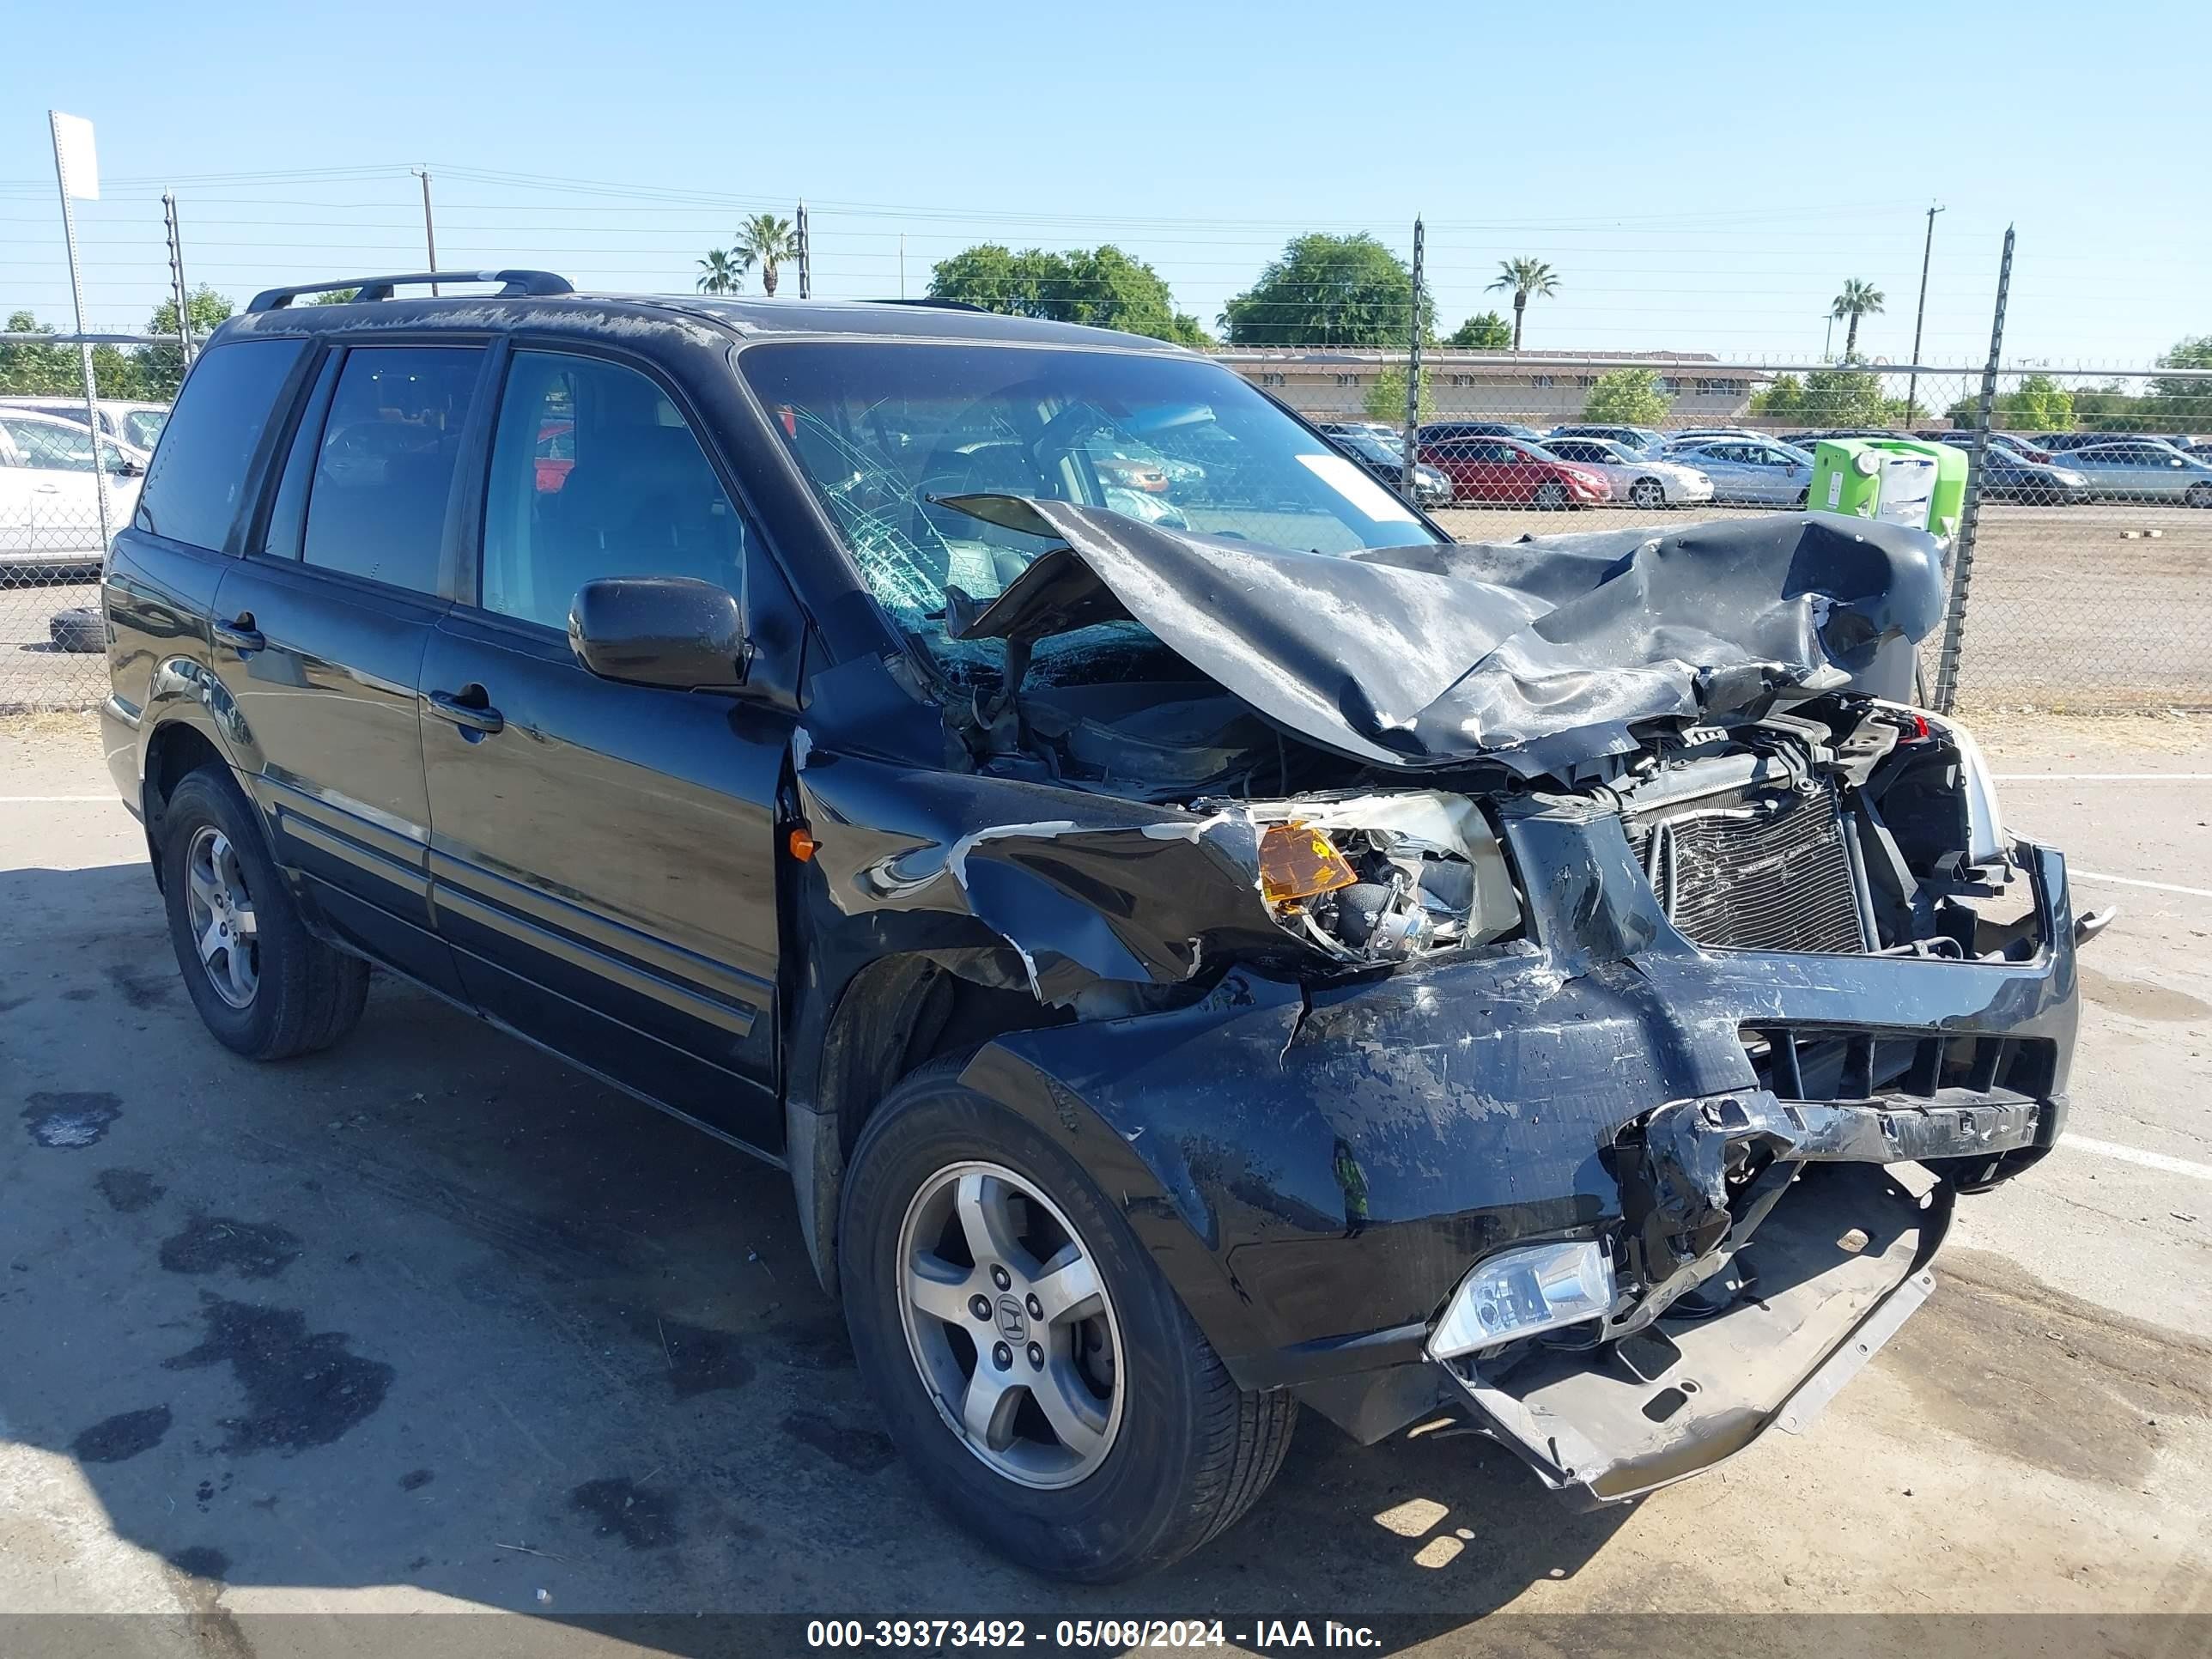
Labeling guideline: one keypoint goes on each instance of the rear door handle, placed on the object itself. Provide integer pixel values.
(241, 636)
(473, 715)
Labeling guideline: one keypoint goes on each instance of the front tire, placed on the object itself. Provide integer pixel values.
(265, 986)
(1053, 1395)
(1647, 493)
(1550, 496)
(2200, 494)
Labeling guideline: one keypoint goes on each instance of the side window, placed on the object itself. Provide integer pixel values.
(594, 473)
(197, 482)
(376, 506)
(53, 447)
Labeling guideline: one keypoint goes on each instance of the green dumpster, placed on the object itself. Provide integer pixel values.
(1896, 480)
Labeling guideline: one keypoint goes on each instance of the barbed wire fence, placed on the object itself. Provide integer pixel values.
(2090, 509)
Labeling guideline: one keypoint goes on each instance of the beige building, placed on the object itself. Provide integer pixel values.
(1541, 389)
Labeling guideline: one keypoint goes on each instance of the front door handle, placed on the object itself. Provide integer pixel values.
(468, 709)
(241, 636)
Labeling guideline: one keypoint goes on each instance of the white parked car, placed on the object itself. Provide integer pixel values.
(135, 424)
(1644, 480)
(49, 505)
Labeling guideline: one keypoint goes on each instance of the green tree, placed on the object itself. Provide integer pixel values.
(2040, 404)
(1829, 396)
(1528, 279)
(1627, 397)
(1328, 290)
(1386, 398)
(337, 296)
(1102, 288)
(36, 370)
(161, 367)
(767, 241)
(719, 272)
(1857, 299)
(2185, 404)
(1488, 333)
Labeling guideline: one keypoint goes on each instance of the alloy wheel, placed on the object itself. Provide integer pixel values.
(1010, 1325)
(224, 929)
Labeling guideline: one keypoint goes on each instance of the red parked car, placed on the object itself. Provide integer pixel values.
(1505, 471)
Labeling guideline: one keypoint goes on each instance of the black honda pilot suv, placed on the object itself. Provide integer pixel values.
(1201, 941)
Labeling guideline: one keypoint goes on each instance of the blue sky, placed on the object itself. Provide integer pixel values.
(1704, 176)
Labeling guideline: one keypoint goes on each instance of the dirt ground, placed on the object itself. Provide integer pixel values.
(433, 1324)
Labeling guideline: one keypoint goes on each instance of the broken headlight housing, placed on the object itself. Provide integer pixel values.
(1520, 1292)
(1384, 878)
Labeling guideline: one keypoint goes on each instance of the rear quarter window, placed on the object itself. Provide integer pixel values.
(197, 482)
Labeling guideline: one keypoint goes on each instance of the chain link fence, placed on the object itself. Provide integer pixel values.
(53, 474)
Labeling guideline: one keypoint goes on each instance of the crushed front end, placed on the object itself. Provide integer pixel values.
(1637, 1174)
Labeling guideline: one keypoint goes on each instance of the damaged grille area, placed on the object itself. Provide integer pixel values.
(1769, 872)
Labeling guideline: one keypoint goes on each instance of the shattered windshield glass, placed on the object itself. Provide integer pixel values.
(885, 431)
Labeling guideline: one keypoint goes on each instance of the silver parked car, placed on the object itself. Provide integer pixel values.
(49, 501)
(1756, 471)
(1644, 480)
(2143, 469)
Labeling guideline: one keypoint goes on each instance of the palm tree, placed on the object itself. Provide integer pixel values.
(721, 272)
(1857, 299)
(767, 241)
(1525, 277)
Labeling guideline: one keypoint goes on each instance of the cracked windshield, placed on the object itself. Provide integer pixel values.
(886, 433)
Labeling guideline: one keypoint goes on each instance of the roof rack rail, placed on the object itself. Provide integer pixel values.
(936, 304)
(512, 283)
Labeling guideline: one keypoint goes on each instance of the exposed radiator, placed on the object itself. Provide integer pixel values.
(1769, 872)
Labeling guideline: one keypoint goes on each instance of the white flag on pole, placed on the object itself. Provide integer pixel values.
(75, 155)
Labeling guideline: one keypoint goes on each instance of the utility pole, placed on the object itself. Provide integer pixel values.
(177, 275)
(1913, 385)
(1412, 379)
(1828, 342)
(1970, 512)
(805, 257)
(901, 264)
(429, 228)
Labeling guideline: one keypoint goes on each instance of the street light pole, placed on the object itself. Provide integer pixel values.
(1913, 384)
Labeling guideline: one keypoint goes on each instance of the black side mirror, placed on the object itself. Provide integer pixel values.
(127, 468)
(670, 631)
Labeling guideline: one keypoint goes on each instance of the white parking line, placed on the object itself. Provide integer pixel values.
(2102, 777)
(2132, 881)
(2180, 1166)
(14, 800)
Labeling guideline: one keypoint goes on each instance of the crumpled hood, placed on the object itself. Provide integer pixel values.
(1533, 653)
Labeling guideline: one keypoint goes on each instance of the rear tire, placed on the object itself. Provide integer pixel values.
(1185, 1450)
(263, 984)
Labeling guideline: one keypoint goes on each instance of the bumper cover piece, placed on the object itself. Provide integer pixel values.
(1835, 1269)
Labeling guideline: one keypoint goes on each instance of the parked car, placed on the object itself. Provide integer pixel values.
(135, 424)
(1757, 472)
(1628, 437)
(2007, 476)
(1702, 433)
(1507, 472)
(49, 494)
(2010, 441)
(1387, 462)
(1805, 439)
(1632, 476)
(1187, 975)
(1439, 432)
(2143, 470)
(2058, 443)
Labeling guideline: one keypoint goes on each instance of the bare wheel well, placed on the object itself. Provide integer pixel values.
(175, 752)
(897, 1015)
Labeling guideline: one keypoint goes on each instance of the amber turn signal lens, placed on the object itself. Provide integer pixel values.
(802, 844)
(1296, 861)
